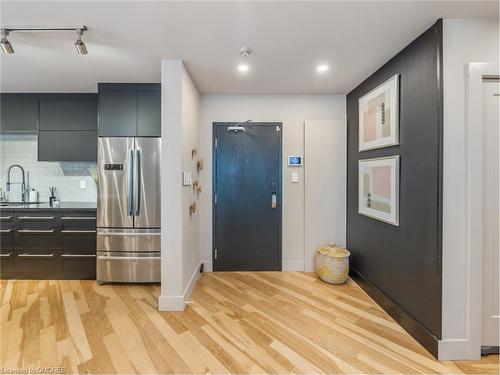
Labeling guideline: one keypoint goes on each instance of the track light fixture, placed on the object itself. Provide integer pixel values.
(80, 46)
(7, 48)
(5, 44)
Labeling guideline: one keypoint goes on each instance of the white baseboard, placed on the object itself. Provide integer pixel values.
(178, 303)
(293, 265)
(207, 266)
(192, 283)
(453, 349)
(288, 265)
(171, 303)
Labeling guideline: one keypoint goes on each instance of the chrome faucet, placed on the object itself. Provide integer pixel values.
(23, 184)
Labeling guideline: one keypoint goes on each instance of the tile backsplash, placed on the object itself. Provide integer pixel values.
(22, 149)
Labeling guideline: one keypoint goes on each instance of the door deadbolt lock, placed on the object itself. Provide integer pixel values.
(273, 200)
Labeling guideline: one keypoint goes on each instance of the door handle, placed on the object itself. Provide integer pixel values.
(274, 203)
(137, 182)
(130, 182)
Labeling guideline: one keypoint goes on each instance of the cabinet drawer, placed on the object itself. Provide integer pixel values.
(38, 221)
(79, 241)
(6, 264)
(37, 238)
(45, 217)
(7, 243)
(6, 218)
(43, 264)
(78, 266)
(78, 221)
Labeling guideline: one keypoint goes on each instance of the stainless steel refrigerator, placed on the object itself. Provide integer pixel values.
(128, 210)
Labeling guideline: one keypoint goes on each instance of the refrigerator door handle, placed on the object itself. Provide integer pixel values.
(137, 182)
(130, 182)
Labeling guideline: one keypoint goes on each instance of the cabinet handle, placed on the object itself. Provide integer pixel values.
(78, 218)
(36, 255)
(5, 217)
(121, 234)
(128, 258)
(6, 230)
(5, 255)
(78, 231)
(36, 231)
(78, 255)
(36, 217)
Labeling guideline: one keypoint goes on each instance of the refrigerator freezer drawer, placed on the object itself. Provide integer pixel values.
(128, 267)
(136, 240)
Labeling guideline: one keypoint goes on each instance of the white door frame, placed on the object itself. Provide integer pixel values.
(474, 73)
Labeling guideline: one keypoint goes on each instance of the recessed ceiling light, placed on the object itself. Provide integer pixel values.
(243, 68)
(322, 68)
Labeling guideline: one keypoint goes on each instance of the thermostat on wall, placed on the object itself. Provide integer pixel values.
(295, 160)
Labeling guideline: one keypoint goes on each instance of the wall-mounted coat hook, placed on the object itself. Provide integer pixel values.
(192, 209)
(199, 165)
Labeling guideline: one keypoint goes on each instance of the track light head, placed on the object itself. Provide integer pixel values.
(5, 44)
(81, 48)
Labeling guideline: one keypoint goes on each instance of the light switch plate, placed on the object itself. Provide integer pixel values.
(186, 179)
(295, 177)
(83, 184)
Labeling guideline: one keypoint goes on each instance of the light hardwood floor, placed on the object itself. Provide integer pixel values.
(237, 322)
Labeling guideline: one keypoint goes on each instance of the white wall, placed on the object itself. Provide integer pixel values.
(325, 168)
(464, 41)
(180, 232)
(292, 111)
(190, 141)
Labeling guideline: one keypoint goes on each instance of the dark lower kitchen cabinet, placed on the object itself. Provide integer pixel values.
(129, 109)
(51, 244)
(19, 113)
(63, 145)
(7, 242)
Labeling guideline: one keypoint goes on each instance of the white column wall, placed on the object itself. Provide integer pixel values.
(180, 231)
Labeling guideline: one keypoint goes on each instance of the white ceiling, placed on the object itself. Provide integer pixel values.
(127, 41)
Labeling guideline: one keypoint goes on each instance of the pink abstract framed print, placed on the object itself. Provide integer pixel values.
(378, 182)
(379, 116)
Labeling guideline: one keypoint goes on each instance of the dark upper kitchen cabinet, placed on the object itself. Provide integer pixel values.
(148, 113)
(117, 113)
(69, 112)
(19, 113)
(129, 110)
(67, 127)
(72, 145)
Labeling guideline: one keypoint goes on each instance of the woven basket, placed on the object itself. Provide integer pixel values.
(332, 264)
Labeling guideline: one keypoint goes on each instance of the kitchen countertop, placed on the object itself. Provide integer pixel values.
(63, 206)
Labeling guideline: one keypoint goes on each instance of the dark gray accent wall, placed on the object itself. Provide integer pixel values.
(401, 266)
